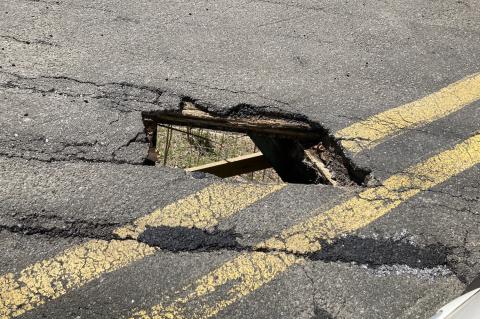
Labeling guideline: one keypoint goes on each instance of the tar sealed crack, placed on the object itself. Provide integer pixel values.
(379, 252)
(186, 239)
(372, 253)
(54, 226)
(178, 239)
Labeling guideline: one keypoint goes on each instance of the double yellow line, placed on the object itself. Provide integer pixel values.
(51, 278)
(75, 267)
(249, 271)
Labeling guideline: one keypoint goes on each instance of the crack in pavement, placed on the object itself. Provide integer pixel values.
(368, 252)
(126, 97)
(30, 225)
(232, 91)
(28, 42)
(72, 159)
(314, 293)
(376, 252)
(116, 92)
(372, 253)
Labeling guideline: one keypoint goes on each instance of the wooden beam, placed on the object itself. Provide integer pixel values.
(288, 158)
(234, 166)
(313, 158)
(151, 132)
(193, 117)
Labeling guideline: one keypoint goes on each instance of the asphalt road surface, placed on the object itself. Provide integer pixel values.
(88, 231)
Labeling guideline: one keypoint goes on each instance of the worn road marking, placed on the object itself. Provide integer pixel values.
(51, 278)
(249, 271)
(368, 133)
(202, 209)
(237, 278)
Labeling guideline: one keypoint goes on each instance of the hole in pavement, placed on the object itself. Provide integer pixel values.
(224, 154)
(248, 143)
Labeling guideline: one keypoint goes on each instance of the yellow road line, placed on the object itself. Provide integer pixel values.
(249, 271)
(202, 209)
(238, 277)
(51, 278)
(368, 133)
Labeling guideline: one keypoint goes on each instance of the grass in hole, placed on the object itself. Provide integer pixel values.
(187, 147)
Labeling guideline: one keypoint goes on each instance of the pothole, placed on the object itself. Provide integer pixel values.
(271, 148)
(224, 154)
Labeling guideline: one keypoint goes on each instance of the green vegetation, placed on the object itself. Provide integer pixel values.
(184, 147)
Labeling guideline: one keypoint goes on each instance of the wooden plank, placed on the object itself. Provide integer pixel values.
(234, 166)
(193, 117)
(313, 158)
(287, 157)
(151, 132)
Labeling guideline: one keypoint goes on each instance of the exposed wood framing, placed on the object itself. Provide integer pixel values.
(192, 116)
(284, 143)
(310, 155)
(151, 132)
(234, 166)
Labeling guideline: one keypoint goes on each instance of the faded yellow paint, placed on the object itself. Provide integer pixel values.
(373, 203)
(238, 277)
(202, 209)
(249, 271)
(79, 265)
(51, 278)
(368, 133)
